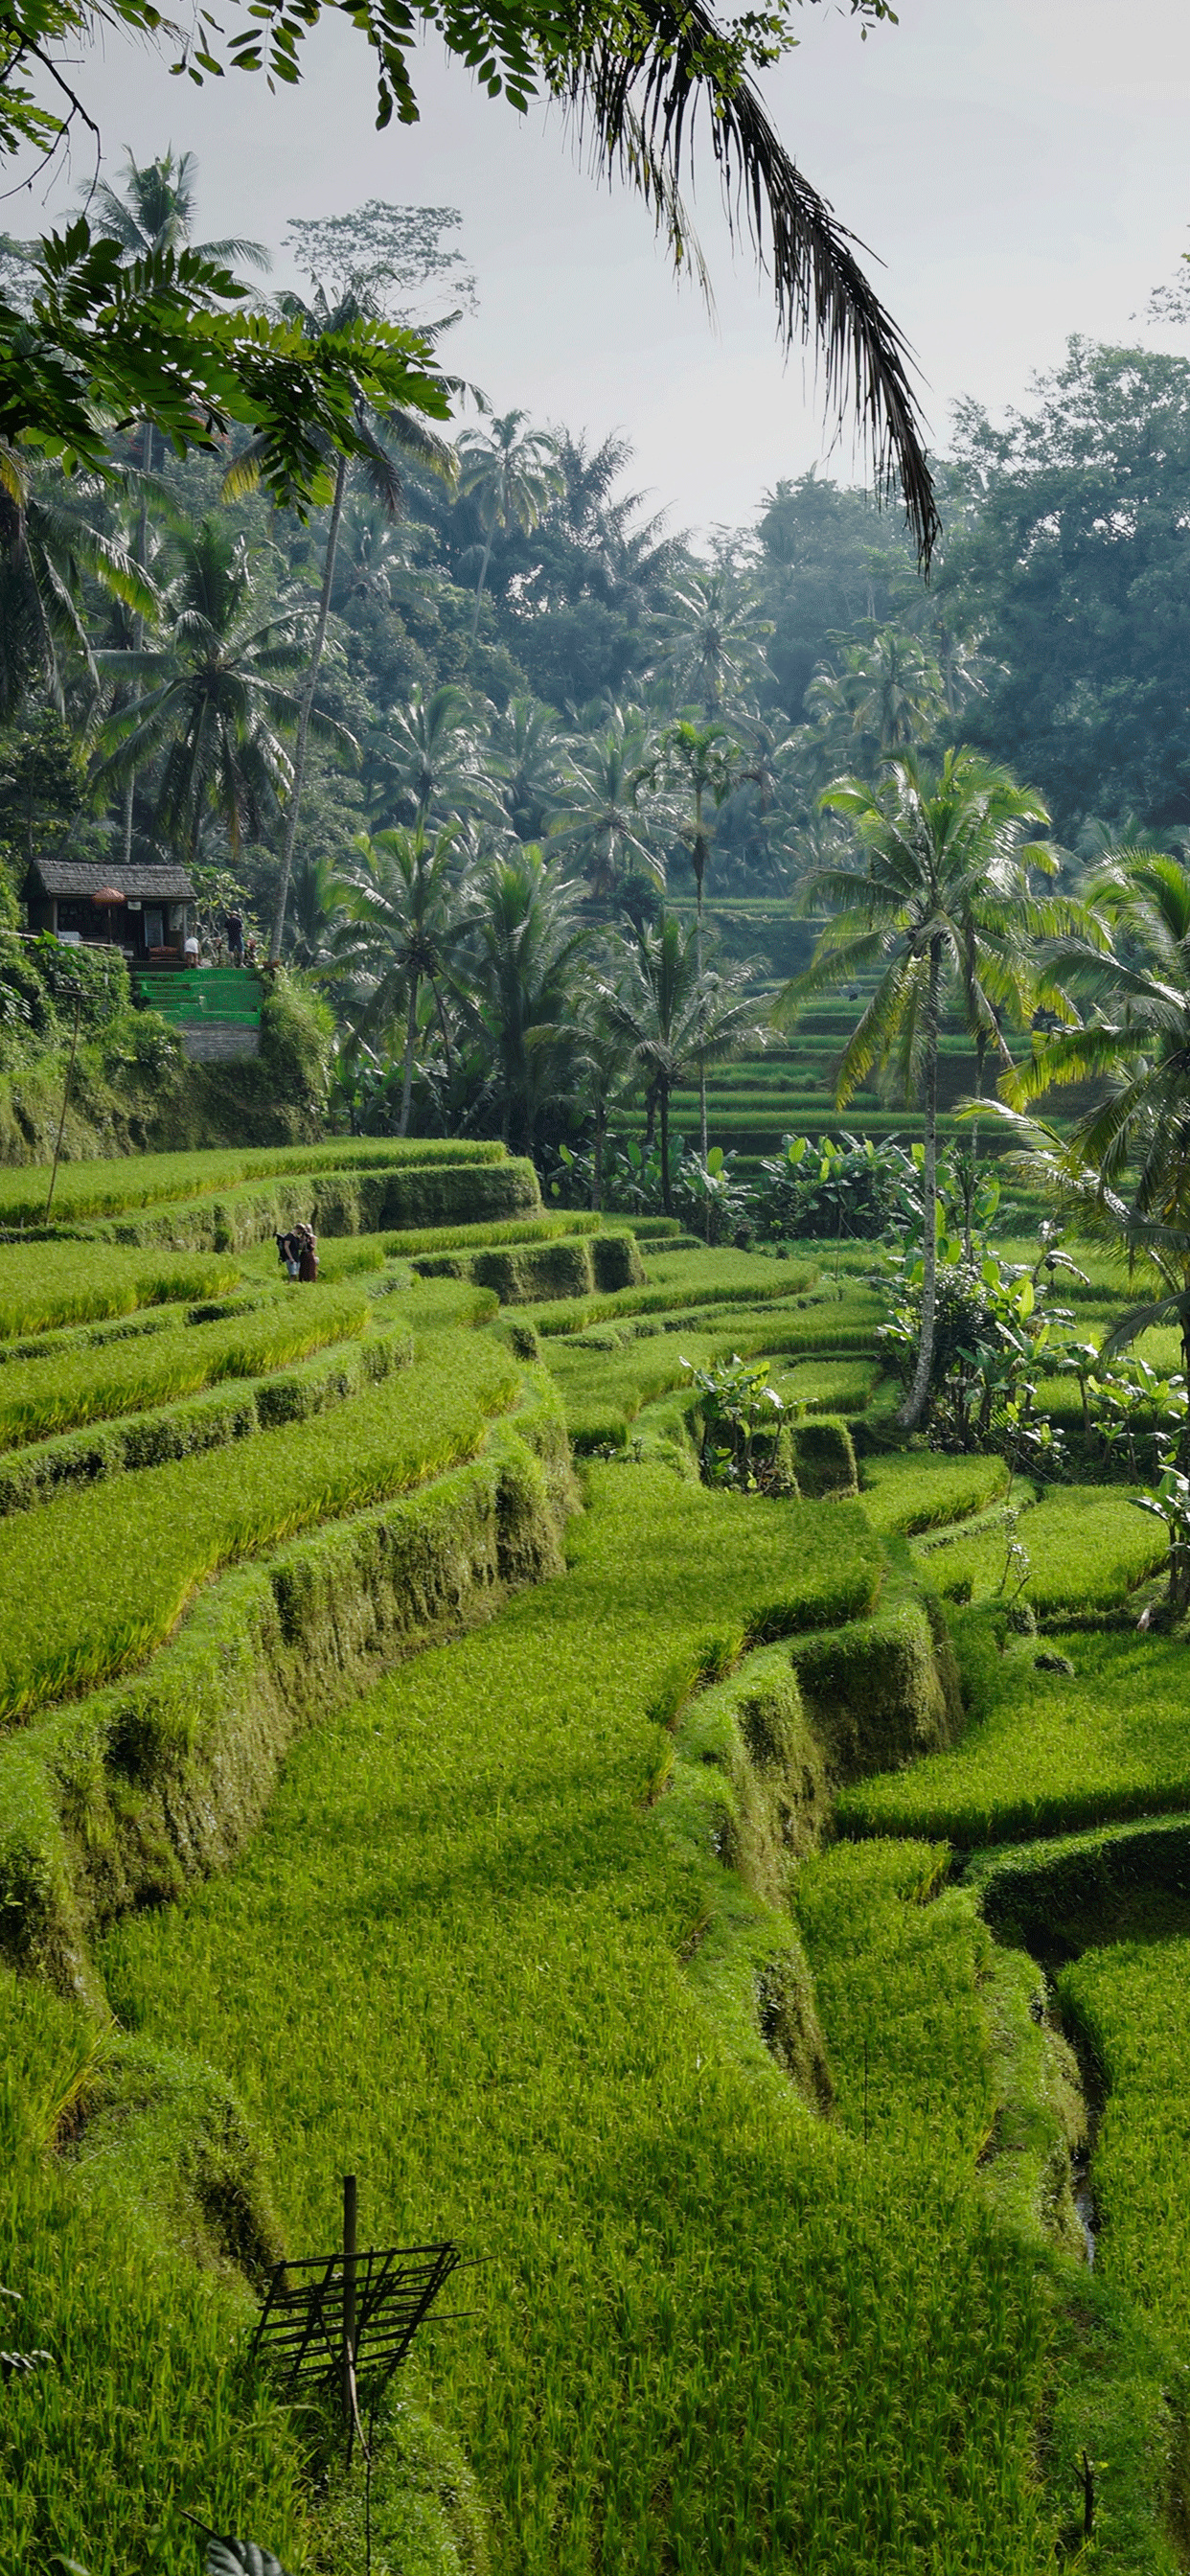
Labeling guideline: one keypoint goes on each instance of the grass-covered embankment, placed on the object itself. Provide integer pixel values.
(710, 2323)
(150, 1537)
(44, 1284)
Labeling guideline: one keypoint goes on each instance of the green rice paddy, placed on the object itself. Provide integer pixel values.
(563, 1934)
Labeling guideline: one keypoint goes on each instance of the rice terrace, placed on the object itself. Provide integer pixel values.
(594, 1289)
(721, 1909)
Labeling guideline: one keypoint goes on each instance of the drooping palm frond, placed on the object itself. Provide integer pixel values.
(637, 84)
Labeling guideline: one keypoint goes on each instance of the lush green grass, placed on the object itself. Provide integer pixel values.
(1054, 1752)
(1087, 1546)
(899, 1965)
(92, 1582)
(603, 1391)
(827, 1386)
(914, 1490)
(710, 2326)
(37, 1400)
(350, 1199)
(140, 1180)
(231, 1411)
(1131, 2005)
(42, 1284)
(146, 2398)
(677, 1282)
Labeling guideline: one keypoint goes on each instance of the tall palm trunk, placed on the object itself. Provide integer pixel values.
(299, 755)
(483, 574)
(981, 1048)
(699, 873)
(410, 1035)
(140, 556)
(663, 1102)
(914, 1405)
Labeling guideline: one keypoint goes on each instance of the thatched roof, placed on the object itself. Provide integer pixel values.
(77, 879)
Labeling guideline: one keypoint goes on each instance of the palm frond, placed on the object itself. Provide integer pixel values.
(641, 86)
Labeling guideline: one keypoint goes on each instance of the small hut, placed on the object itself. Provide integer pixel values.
(146, 912)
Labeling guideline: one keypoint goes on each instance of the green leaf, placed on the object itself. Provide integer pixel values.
(241, 2558)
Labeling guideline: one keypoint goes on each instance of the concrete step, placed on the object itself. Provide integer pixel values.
(217, 1041)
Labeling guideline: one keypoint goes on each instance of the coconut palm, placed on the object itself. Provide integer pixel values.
(380, 437)
(46, 546)
(211, 700)
(525, 947)
(714, 639)
(401, 928)
(940, 903)
(156, 212)
(609, 820)
(510, 473)
(675, 1014)
(1125, 1163)
(527, 759)
(886, 696)
(427, 763)
(701, 762)
(315, 910)
(604, 1065)
(153, 218)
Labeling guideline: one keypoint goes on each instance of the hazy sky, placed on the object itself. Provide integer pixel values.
(1018, 166)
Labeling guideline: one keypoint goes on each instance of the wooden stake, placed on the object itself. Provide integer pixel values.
(349, 2317)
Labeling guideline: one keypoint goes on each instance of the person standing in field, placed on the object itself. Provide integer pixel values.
(234, 928)
(308, 1256)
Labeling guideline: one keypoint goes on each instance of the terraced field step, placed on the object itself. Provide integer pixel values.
(205, 994)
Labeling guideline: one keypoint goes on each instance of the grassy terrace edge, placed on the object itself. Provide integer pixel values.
(116, 1799)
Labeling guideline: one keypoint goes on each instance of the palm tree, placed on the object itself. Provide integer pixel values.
(155, 215)
(715, 630)
(941, 905)
(1125, 1164)
(402, 927)
(603, 821)
(315, 908)
(46, 546)
(156, 212)
(887, 696)
(674, 1015)
(428, 759)
(510, 474)
(528, 759)
(212, 696)
(604, 1064)
(523, 974)
(396, 427)
(703, 762)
